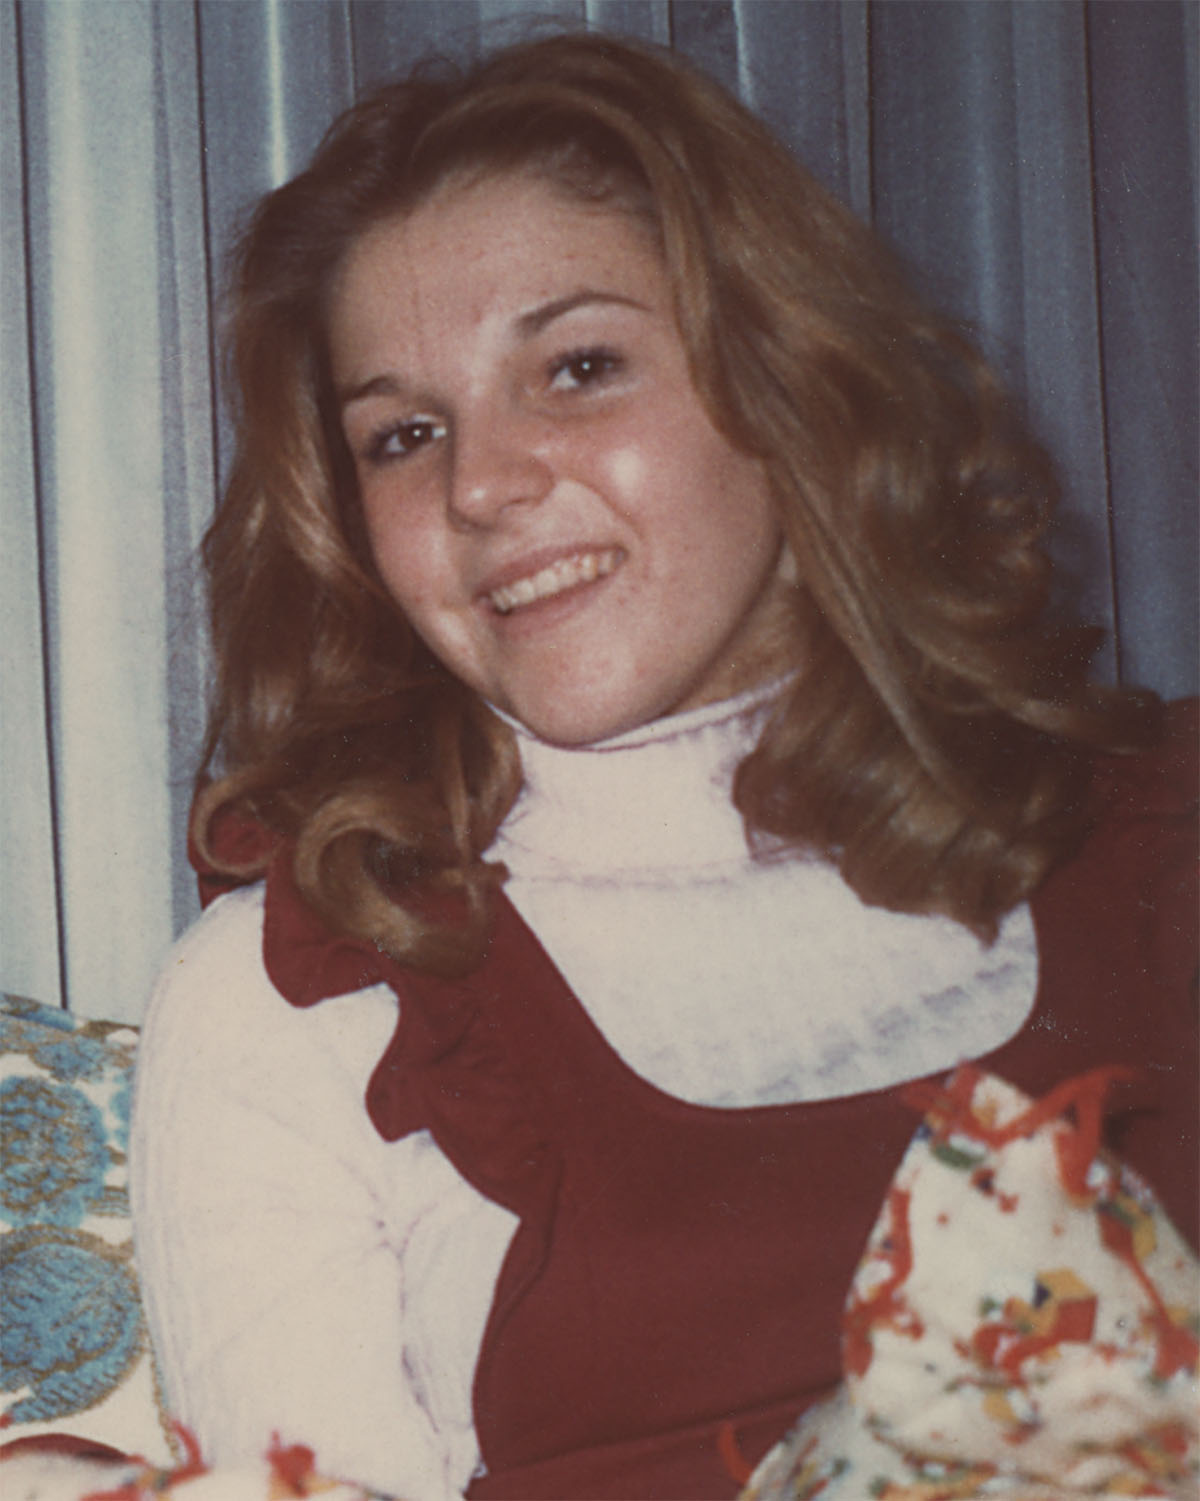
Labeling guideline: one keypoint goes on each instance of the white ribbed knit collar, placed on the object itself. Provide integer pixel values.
(630, 863)
(654, 800)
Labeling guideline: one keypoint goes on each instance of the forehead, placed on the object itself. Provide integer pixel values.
(485, 253)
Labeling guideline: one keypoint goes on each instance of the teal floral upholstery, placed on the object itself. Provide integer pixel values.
(74, 1355)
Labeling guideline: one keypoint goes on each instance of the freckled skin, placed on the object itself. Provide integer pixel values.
(516, 392)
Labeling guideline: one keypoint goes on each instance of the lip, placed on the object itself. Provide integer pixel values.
(530, 563)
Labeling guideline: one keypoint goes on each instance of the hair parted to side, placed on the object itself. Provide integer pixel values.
(935, 741)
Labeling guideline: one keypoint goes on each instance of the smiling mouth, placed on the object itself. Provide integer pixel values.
(567, 573)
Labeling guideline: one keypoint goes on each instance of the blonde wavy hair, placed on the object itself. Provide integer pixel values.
(936, 739)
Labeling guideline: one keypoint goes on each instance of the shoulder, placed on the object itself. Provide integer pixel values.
(214, 976)
(1118, 935)
(227, 936)
(1131, 887)
(216, 1019)
(1159, 785)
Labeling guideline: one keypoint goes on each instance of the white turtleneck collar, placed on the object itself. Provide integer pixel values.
(724, 979)
(644, 803)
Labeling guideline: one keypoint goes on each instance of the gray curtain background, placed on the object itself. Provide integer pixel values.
(1034, 161)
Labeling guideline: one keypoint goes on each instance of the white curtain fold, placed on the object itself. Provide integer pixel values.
(29, 926)
(119, 423)
(1036, 164)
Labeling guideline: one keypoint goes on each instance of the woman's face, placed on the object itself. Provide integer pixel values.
(545, 495)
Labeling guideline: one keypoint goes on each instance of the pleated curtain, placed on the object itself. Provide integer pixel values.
(1035, 162)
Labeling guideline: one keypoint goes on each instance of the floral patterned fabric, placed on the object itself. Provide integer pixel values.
(74, 1356)
(1023, 1321)
(285, 1471)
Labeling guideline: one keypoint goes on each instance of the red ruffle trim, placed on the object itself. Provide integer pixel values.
(445, 1069)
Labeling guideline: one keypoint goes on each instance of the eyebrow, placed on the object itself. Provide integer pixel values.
(528, 325)
(539, 318)
(378, 385)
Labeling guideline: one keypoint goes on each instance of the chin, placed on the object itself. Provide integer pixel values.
(570, 732)
(580, 725)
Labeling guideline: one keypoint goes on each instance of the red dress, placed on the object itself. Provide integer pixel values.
(671, 1299)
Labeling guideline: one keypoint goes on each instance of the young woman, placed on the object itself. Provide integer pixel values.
(643, 746)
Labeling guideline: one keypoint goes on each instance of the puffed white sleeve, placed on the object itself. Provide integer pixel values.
(302, 1277)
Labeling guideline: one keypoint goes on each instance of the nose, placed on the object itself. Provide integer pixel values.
(497, 463)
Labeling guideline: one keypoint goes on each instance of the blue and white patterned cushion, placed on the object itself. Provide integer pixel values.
(74, 1355)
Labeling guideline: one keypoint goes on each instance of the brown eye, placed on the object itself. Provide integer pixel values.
(401, 439)
(583, 367)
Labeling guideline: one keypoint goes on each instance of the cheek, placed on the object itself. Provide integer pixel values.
(384, 542)
(403, 558)
(628, 470)
(734, 503)
(419, 593)
(658, 480)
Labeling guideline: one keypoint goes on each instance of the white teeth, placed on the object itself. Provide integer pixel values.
(583, 568)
